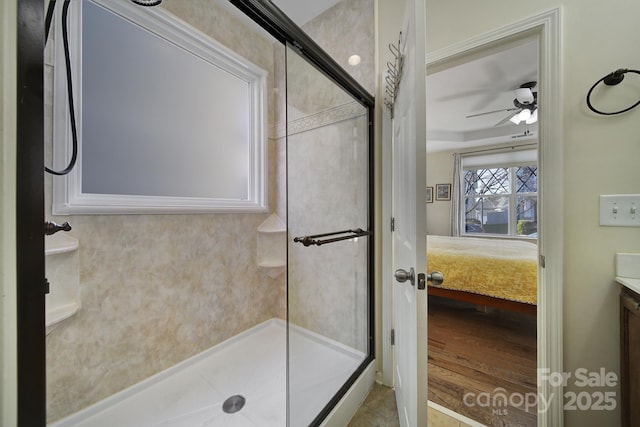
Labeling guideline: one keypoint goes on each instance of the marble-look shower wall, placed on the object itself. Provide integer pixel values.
(157, 289)
(347, 29)
(328, 192)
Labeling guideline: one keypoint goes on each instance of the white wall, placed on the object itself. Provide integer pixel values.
(439, 171)
(8, 402)
(600, 156)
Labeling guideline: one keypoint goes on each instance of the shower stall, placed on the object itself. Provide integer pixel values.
(254, 313)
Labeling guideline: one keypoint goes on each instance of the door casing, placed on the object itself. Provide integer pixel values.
(546, 27)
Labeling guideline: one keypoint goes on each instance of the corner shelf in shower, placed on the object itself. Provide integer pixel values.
(62, 270)
(272, 241)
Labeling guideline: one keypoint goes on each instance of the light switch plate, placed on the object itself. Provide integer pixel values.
(620, 210)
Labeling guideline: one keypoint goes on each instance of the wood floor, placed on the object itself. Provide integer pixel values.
(483, 355)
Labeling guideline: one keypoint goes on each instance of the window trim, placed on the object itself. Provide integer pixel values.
(68, 195)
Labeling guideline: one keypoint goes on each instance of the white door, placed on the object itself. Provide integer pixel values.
(409, 213)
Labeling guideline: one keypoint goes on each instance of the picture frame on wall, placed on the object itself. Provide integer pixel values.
(429, 195)
(443, 192)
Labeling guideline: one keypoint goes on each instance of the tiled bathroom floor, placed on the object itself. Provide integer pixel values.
(379, 410)
(252, 364)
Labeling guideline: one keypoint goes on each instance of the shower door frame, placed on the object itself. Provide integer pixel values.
(30, 283)
(280, 26)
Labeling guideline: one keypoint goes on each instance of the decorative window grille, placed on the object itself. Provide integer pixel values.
(501, 200)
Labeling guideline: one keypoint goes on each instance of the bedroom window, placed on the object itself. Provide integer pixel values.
(500, 200)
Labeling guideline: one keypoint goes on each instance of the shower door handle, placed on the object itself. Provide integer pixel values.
(319, 239)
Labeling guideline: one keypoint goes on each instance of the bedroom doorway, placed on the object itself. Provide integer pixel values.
(546, 28)
(482, 222)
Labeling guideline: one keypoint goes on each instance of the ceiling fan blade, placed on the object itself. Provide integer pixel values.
(506, 119)
(491, 112)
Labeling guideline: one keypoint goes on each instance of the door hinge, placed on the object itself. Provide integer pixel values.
(393, 337)
(542, 261)
(393, 224)
(47, 288)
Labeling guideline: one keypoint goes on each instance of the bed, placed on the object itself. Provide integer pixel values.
(493, 272)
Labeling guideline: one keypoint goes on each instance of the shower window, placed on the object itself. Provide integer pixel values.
(169, 120)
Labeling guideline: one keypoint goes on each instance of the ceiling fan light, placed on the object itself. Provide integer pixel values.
(515, 119)
(524, 95)
(533, 118)
(524, 115)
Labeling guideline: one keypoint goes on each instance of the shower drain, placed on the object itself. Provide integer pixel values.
(233, 404)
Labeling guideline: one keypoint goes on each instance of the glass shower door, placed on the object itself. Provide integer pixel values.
(329, 246)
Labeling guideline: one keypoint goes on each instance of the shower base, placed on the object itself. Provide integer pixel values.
(251, 365)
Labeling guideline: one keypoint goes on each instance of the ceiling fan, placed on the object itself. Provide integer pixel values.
(525, 106)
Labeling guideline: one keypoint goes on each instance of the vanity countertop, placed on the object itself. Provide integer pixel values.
(628, 270)
(633, 284)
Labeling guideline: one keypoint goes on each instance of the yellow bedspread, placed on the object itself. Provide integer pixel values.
(499, 268)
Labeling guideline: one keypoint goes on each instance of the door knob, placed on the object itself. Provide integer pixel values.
(435, 277)
(404, 275)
